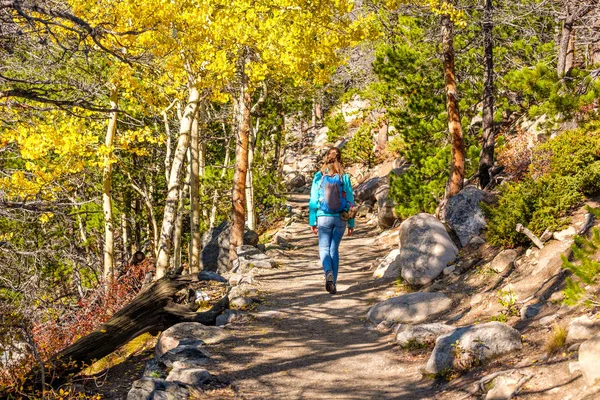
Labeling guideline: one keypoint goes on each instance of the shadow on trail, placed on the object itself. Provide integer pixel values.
(319, 345)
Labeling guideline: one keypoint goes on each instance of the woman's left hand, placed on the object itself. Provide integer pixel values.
(350, 231)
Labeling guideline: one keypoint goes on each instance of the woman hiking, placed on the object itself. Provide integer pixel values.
(330, 208)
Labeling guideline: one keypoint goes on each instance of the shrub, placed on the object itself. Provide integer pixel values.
(586, 269)
(562, 172)
(360, 149)
(337, 127)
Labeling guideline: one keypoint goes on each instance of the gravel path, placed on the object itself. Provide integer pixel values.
(304, 343)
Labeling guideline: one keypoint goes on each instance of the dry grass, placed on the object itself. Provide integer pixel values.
(557, 339)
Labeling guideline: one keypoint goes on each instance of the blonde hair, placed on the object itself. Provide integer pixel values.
(333, 164)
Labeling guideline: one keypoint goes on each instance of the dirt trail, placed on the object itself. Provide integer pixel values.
(304, 343)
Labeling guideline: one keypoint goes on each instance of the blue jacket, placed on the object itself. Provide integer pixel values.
(314, 206)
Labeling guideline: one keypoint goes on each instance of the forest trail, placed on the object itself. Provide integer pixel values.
(303, 343)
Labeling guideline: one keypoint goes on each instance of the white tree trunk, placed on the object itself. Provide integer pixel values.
(177, 235)
(168, 142)
(109, 235)
(195, 170)
(166, 233)
(250, 211)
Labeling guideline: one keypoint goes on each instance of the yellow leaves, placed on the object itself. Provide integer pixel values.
(46, 217)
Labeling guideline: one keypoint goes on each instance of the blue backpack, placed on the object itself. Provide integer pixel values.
(331, 194)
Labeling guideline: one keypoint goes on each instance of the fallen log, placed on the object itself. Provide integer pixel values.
(530, 235)
(152, 310)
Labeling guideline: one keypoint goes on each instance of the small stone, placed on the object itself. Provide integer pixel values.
(565, 234)
(530, 311)
(476, 241)
(385, 326)
(528, 252)
(548, 320)
(240, 302)
(504, 260)
(573, 348)
(574, 367)
(448, 270)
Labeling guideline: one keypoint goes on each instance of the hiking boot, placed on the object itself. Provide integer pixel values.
(329, 285)
(334, 290)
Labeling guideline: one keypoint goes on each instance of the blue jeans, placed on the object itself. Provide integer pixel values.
(331, 230)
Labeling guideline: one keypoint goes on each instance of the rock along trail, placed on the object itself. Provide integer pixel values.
(303, 343)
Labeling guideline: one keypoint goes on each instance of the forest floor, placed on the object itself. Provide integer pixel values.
(304, 343)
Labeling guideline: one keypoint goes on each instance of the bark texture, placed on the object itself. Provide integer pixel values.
(109, 233)
(166, 233)
(457, 163)
(486, 159)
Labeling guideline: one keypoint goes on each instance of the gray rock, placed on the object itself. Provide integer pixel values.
(450, 269)
(463, 214)
(297, 181)
(565, 234)
(241, 302)
(365, 192)
(589, 357)
(410, 308)
(250, 257)
(476, 241)
(243, 290)
(548, 320)
(230, 316)
(504, 260)
(529, 311)
(505, 386)
(390, 266)
(189, 376)
(210, 276)
(470, 345)
(190, 354)
(425, 249)
(251, 238)
(215, 248)
(186, 332)
(423, 335)
(582, 328)
(151, 388)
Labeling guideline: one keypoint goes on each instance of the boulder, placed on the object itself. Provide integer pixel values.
(185, 332)
(250, 257)
(470, 345)
(463, 214)
(215, 248)
(582, 328)
(389, 267)
(589, 357)
(410, 308)
(425, 249)
(365, 192)
(151, 388)
(565, 234)
(504, 260)
(251, 238)
(189, 376)
(421, 335)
